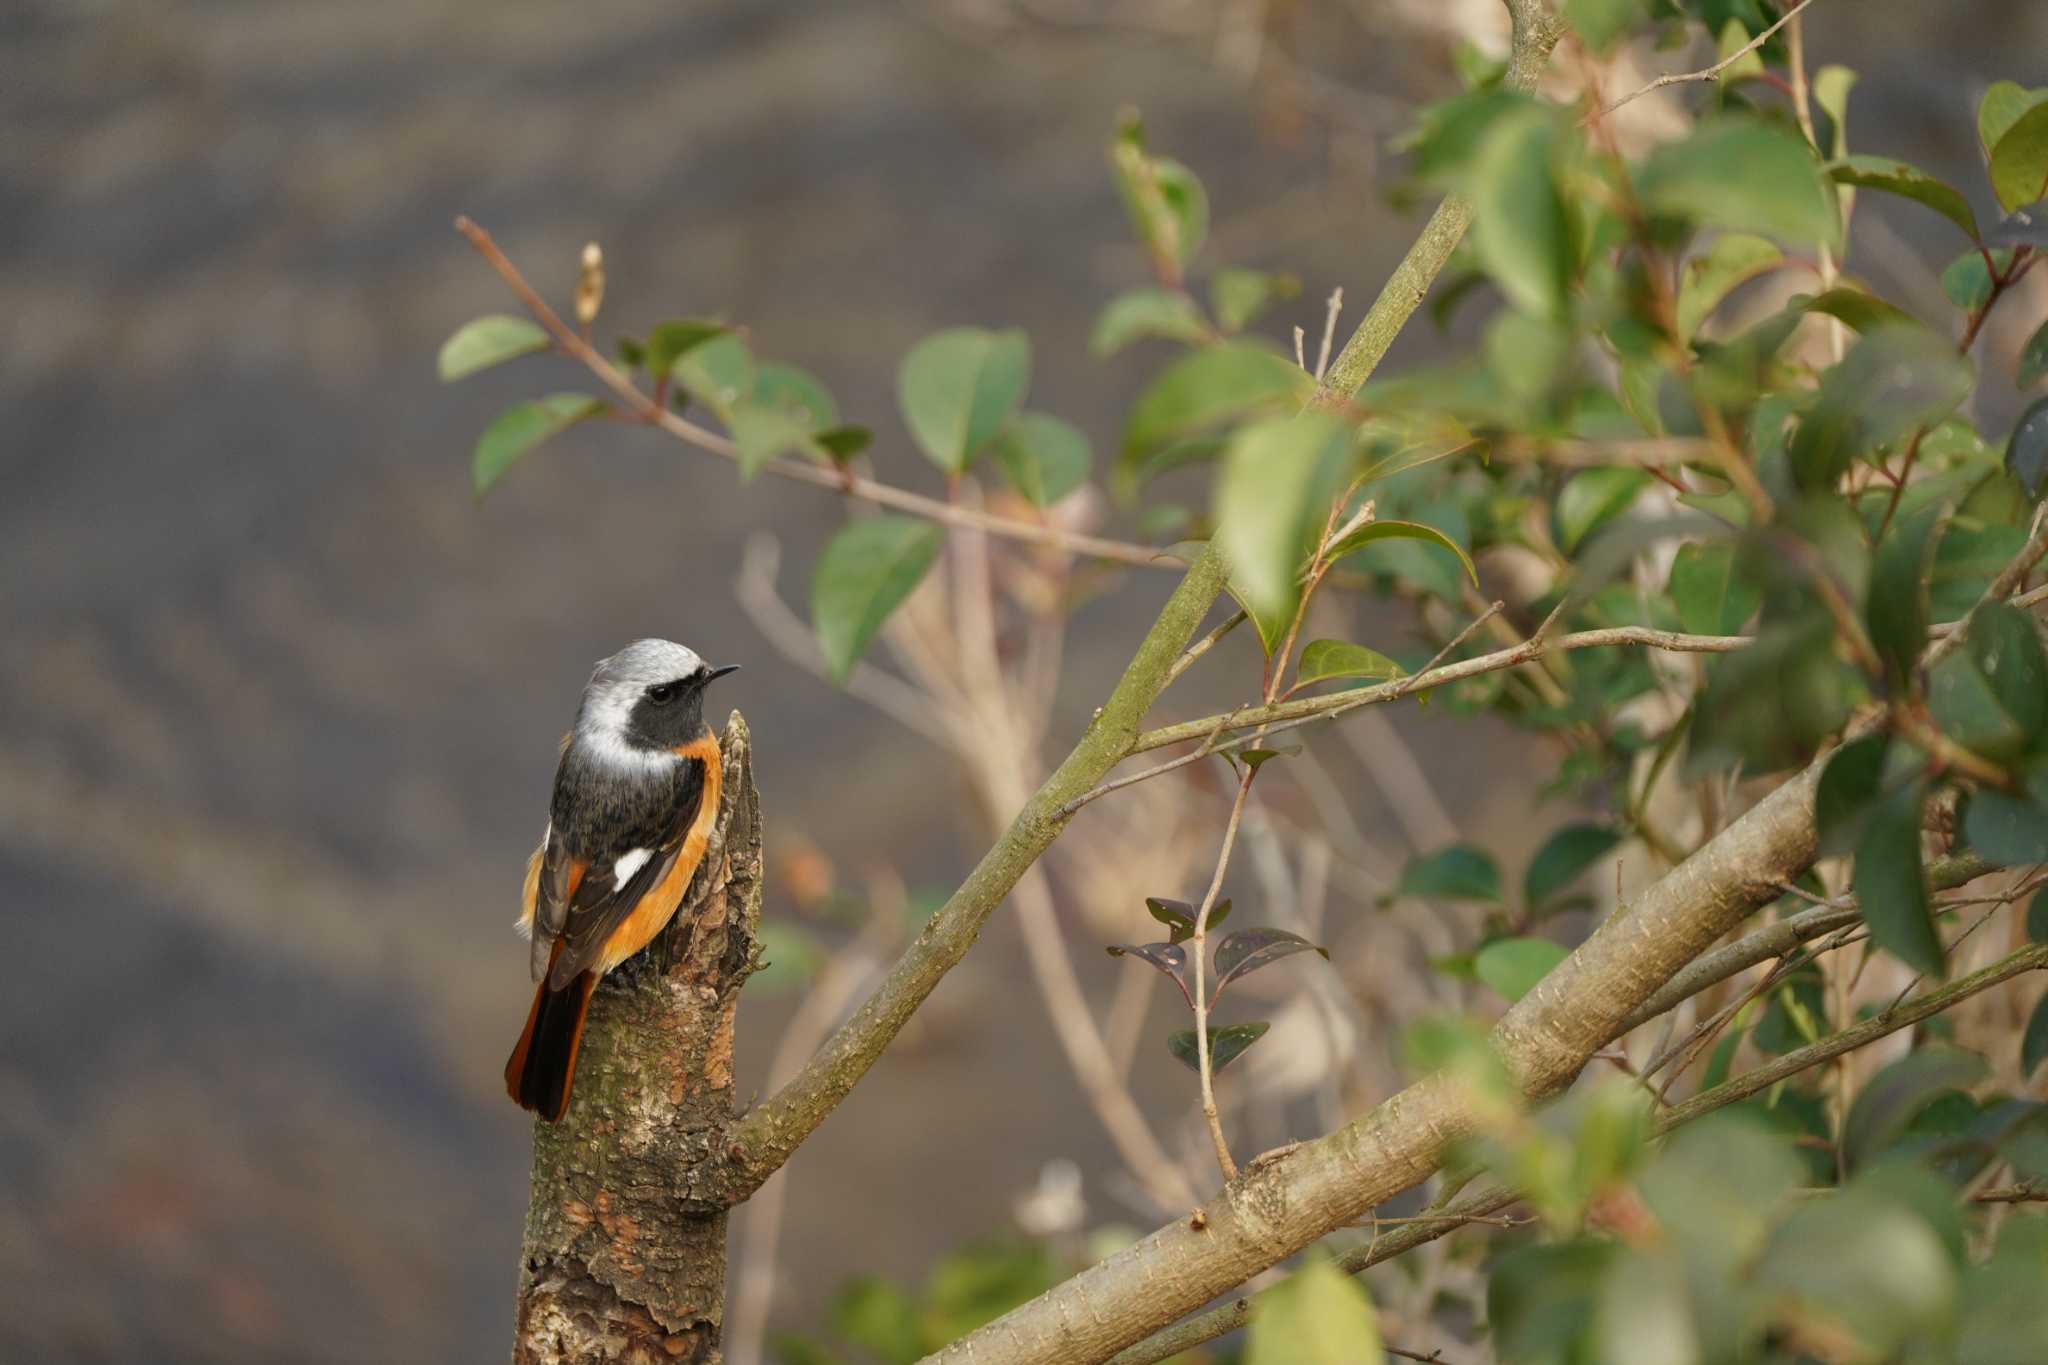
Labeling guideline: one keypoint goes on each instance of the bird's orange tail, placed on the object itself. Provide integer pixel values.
(543, 1065)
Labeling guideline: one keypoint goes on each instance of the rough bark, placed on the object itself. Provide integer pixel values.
(624, 1258)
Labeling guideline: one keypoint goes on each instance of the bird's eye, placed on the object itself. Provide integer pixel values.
(661, 694)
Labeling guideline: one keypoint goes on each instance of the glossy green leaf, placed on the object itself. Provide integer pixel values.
(762, 433)
(1317, 1316)
(1141, 313)
(1226, 1045)
(1858, 310)
(2019, 160)
(1207, 387)
(2033, 366)
(1889, 1100)
(1745, 175)
(671, 341)
(1594, 496)
(1908, 181)
(523, 426)
(2026, 451)
(1892, 380)
(1278, 475)
(1891, 886)
(1238, 296)
(842, 443)
(1896, 609)
(1602, 23)
(2011, 830)
(864, 574)
(796, 392)
(2000, 108)
(1848, 792)
(1712, 275)
(1712, 596)
(1256, 759)
(1245, 951)
(1520, 226)
(718, 371)
(1992, 695)
(1374, 532)
(958, 387)
(487, 341)
(2034, 1042)
(1563, 859)
(1460, 872)
(1043, 457)
(1513, 966)
(1966, 280)
(1179, 916)
(1322, 660)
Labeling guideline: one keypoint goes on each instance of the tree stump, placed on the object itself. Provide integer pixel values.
(624, 1257)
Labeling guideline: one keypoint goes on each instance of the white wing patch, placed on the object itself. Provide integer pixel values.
(627, 865)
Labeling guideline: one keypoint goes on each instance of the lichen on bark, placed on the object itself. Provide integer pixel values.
(624, 1255)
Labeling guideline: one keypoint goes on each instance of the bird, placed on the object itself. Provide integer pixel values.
(635, 797)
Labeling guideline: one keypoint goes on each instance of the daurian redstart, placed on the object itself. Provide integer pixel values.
(635, 798)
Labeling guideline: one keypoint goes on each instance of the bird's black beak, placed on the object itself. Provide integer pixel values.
(717, 673)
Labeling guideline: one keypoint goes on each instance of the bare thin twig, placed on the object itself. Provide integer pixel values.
(647, 410)
(1706, 73)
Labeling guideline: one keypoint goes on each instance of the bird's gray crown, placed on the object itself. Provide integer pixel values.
(616, 687)
(645, 663)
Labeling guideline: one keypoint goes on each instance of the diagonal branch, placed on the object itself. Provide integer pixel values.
(643, 407)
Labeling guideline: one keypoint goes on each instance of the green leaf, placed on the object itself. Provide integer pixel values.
(671, 341)
(1891, 887)
(1375, 531)
(1711, 596)
(865, 572)
(2019, 160)
(717, 371)
(1513, 966)
(1602, 23)
(1831, 87)
(1769, 705)
(1990, 697)
(1864, 1264)
(1043, 457)
(1138, 313)
(1168, 208)
(1896, 607)
(1893, 380)
(2033, 365)
(2034, 1043)
(2026, 451)
(1317, 1316)
(1460, 872)
(1848, 792)
(1562, 860)
(796, 392)
(762, 433)
(1179, 916)
(1278, 475)
(957, 389)
(2000, 109)
(1908, 181)
(523, 426)
(1966, 280)
(2037, 918)
(1593, 496)
(1738, 173)
(1322, 660)
(2011, 830)
(487, 341)
(1238, 296)
(1891, 1099)
(1226, 1045)
(1247, 950)
(1256, 759)
(1205, 388)
(1520, 226)
(1710, 276)
(842, 443)
(1858, 310)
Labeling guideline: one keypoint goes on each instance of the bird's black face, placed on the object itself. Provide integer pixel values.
(669, 714)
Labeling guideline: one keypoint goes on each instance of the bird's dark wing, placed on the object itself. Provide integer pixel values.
(602, 902)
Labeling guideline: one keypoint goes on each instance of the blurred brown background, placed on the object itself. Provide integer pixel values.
(278, 700)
